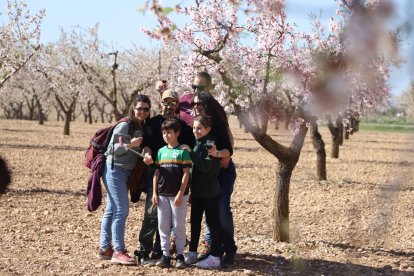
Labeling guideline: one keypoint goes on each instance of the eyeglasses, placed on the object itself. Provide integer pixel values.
(196, 103)
(169, 104)
(198, 87)
(142, 109)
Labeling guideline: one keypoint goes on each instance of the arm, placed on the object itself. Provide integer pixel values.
(155, 187)
(116, 148)
(202, 164)
(147, 156)
(179, 197)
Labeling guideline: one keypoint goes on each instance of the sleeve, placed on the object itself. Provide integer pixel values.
(121, 129)
(222, 137)
(186, 159)
(202, 164)
(157, 160)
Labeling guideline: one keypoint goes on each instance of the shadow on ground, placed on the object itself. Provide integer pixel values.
(255, 264)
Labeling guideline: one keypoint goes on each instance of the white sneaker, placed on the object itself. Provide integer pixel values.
(209, 262)
(190, 258)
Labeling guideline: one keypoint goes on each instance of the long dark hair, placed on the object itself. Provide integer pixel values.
(207, 101)
(139, 98)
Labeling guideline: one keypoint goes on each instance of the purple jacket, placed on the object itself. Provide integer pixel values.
(94, 190)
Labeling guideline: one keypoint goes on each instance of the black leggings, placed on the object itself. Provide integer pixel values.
(210, 207)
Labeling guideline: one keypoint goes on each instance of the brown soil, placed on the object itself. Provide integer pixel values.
(358, 222)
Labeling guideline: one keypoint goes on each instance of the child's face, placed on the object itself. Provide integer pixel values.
(170, 136)
(200, 130)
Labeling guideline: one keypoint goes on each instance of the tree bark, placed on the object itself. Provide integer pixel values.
(335, 134)
(346, 132)
(281, 202)
(319, 146)
(68, 118)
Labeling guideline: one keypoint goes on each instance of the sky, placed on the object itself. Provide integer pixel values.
(120, 23)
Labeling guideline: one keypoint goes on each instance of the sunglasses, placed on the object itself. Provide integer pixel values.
(196, 103)
(169, 104)
(198, 87)
(142, 109)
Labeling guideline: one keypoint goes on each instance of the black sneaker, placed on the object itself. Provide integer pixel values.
(164, 262)
(228, 260)
(156, 255)
(146, 260)
(179, 261)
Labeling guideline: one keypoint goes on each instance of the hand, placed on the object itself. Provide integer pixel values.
(148, 159)
(155, 200)
(224, 162)
(185, 147)
(213, 151)
(136, 142)
(178, 199)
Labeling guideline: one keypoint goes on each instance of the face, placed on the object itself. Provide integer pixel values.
(199, 84)
(170, 137)
(161, 86)
(169, 107)
(200, 130)
(142, 111)
(197, 106)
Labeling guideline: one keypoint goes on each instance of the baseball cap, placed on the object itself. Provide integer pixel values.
(169, 93)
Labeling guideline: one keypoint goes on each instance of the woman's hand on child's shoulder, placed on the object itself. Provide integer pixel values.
(185, 147)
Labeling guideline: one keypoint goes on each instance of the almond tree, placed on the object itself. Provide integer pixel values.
(19, 39)
(246, 66)
(33, 89)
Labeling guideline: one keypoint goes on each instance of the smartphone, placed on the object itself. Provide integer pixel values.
(126, 139)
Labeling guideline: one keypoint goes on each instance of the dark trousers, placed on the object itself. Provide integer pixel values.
(210, 207)
(226, 178)
(149, 226)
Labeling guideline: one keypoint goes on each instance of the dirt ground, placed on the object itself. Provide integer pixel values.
(358, 222)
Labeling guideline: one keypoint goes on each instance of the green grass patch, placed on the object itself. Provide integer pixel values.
(386, 127)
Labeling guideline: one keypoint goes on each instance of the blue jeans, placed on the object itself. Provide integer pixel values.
(226, 178)
(117, 207)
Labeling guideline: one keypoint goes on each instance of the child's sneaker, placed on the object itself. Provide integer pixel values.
(146, 260)
(164, 262)
(190, 258)
(105, 254)
(179, 261)
(123, 258)
(209, 262)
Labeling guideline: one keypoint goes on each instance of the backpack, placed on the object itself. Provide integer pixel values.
(99, 142)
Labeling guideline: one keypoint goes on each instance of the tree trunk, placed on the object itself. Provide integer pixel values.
(340, 127)
(90, 105)
(40, 111)
(336, 136)
(68, 118)
(319, 146)
(346, 132)
(356, 127)
(281, 202)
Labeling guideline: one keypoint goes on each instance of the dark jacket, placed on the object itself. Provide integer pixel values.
(204, 182)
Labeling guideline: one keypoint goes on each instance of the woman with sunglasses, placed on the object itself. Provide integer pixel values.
(112, 244)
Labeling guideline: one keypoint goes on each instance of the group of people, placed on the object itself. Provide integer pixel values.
(187, 149)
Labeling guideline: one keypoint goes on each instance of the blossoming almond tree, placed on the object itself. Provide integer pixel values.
(19, 39)
(257, 54)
